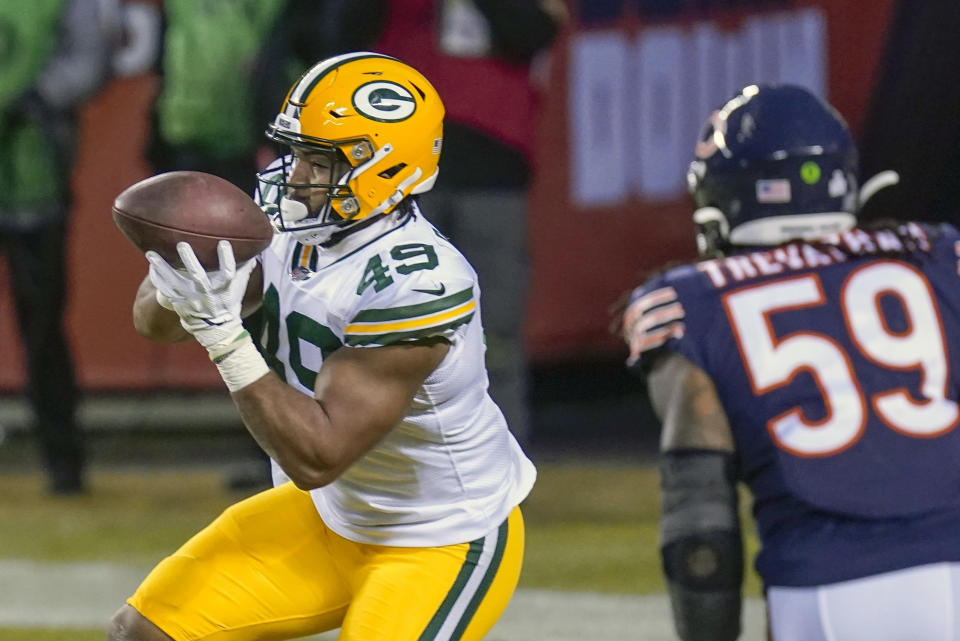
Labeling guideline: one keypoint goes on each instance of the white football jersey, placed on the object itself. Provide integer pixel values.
(450, 470)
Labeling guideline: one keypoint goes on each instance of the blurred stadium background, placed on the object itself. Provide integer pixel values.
(627, 88)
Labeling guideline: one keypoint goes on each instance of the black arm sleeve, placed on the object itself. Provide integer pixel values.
(701, 546)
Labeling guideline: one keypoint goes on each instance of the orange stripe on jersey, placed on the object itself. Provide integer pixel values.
(639, 307)
(653, 319)
(661, 315)
(654, 298)
(658, 337)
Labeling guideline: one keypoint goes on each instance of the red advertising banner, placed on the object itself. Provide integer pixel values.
(623, 103)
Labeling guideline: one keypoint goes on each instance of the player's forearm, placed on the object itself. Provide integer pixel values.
(153, 321)
(293, 430)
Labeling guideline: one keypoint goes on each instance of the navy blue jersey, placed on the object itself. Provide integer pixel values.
(834, 364)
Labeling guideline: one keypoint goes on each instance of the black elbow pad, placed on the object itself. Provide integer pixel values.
(705, 561)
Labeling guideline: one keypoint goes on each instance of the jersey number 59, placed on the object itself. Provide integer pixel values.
(772, 362)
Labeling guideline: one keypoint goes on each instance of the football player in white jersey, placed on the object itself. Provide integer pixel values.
(394, 513)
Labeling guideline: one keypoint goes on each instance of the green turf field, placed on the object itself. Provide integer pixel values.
(591, 526)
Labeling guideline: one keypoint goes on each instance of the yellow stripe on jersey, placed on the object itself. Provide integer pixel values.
(392, 331)
(407, 322)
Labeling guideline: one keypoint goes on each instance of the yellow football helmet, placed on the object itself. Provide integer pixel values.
(379, 123)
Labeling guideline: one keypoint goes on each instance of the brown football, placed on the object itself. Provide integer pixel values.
(192, 206)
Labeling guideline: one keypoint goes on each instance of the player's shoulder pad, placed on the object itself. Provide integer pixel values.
(418, 304)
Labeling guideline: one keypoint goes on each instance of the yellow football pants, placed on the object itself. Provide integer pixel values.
(269, 568)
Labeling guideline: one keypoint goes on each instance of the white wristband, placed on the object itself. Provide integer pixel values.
(241, 365)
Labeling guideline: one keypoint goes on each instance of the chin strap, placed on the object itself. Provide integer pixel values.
(292, 211)
(398, 195)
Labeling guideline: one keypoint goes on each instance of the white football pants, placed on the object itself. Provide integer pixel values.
(915, 604)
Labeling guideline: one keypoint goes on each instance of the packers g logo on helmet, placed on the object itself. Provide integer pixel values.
(378, 120)
(384, 101)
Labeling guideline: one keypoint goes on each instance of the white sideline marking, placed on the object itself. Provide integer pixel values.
(85, 595)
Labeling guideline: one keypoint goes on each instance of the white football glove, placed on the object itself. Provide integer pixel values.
(209, 304)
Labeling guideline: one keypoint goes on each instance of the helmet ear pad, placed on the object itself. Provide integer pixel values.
(713, 230)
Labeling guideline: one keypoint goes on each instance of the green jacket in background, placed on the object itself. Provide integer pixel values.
(30, 170)
(211, 49)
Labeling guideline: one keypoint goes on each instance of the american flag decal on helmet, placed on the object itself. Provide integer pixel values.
(651, 319)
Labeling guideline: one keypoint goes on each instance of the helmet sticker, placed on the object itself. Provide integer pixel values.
(773, 191)
(384, 101)
(810, 172)
(838, 184)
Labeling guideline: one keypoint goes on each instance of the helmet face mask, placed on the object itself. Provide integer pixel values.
(375, 122)
(773, 164)
(315, 193)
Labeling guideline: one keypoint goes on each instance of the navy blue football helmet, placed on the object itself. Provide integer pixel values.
(773, 164)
